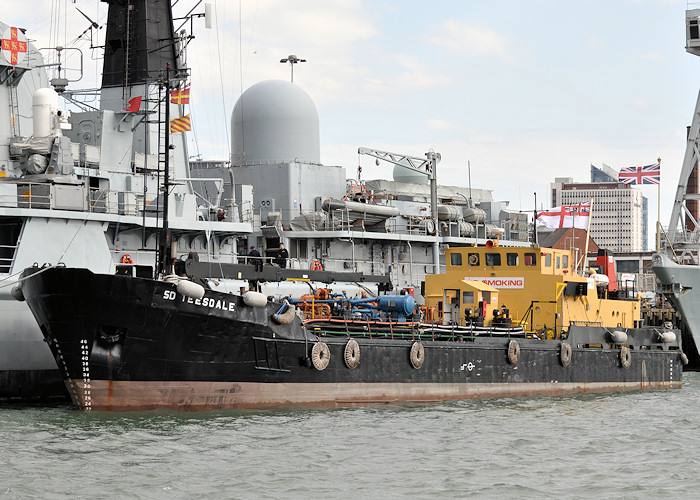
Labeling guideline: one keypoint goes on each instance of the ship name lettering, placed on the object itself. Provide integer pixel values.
(211, 302)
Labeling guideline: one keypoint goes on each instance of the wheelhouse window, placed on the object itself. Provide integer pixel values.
(512, 259)
(558, 262)
(548, 260)
(492, 259)
(456, 259)
(530, 259)
(565, 261)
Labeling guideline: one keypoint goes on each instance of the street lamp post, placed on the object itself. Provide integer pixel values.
(292, 60)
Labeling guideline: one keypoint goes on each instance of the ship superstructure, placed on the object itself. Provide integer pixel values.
(85, 188)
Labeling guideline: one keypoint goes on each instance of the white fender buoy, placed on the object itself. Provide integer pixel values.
(320, 355)
(417, 355)
(17, 293)
(618, 336)
(254, 299)
(190, 289)
(625, 357)
(287, 316)
(667, 337)
(352, 354)
(684, 358)
(513, 352)
(565, 354)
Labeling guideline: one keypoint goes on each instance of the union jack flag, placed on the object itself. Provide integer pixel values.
(567, 216)
(649, 174)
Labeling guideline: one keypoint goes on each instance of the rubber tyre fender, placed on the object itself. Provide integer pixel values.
(565, 354)
(352, 354)
(320, 355)
(513, 352)
(625, 357)
(417, 355)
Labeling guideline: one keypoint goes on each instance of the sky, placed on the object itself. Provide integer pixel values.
(523, 91)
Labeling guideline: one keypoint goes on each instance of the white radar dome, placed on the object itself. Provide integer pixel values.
(274, 122)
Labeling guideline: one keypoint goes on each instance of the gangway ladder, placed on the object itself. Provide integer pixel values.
(267, 355)
(683, 229)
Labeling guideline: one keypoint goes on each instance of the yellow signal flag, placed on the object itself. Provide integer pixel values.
(180, 124)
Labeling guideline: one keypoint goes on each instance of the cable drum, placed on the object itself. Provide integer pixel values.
(320, 355)
(352, 354)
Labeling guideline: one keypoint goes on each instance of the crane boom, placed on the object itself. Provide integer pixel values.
(425, 166)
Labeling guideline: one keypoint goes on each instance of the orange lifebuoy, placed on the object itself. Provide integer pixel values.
(316, 266)
(126, 259)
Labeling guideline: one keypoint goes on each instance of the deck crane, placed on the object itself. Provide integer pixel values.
(426, 166)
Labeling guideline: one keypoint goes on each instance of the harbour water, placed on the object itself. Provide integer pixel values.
(635, 445)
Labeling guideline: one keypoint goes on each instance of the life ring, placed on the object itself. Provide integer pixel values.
(352, 354)
(316, 266)
(565, 354)
(126, 259)
(320, 355)
(625, 356)
(417, 355)
(513, 352)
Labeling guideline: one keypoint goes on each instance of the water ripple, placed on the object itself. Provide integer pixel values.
(636, 445)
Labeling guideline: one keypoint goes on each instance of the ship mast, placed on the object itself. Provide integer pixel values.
(165, 240)
(684, 229)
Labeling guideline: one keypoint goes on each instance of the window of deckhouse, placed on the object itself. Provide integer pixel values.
(530, 259)
(492, 259)
(512, 259)
(456, 259)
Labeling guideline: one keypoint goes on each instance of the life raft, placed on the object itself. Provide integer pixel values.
(417, 355)
(126, 259)
(320, 355)
(352, 354)
(565, 354)
(513, 352)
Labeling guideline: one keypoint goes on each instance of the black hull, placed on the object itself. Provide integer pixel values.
(32, 386)
(129, 344)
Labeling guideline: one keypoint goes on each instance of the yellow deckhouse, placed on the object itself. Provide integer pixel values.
(533, 287)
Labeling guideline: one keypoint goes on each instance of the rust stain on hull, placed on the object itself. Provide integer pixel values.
(202, 396)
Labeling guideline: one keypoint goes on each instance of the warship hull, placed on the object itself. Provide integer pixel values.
(680, 283)
(125, 343)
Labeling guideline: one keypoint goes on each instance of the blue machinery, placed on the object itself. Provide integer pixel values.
(399, 307)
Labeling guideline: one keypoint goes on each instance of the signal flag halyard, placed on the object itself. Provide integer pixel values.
(134, 104)
(180, 96)
(180, 124)
(648, 174)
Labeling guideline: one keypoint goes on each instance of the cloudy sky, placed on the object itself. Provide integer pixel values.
(523, 90)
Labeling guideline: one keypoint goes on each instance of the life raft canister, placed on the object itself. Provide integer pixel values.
(126, 259)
